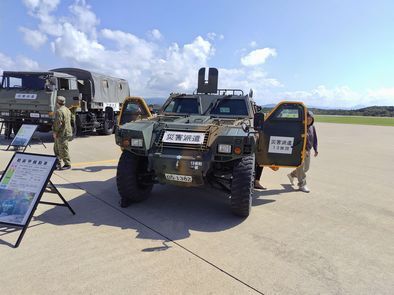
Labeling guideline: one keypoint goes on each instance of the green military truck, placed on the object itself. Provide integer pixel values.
(30, 98)
(213, 137)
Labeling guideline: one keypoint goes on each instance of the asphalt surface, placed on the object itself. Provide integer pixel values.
(338, 239)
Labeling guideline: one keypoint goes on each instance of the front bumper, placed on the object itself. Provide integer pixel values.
(186, 170)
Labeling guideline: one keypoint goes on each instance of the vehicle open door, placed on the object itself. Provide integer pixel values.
(282, 136)
(133, 108)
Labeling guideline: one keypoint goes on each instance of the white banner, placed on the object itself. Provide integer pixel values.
(183, 137)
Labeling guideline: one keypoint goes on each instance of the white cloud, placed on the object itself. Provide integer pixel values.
(19, 63)
(41, 10)
(213, 36)
(155, 34)
(258, 56)
(253, 44)
(155, 70)
(84, 18)
(33, 38)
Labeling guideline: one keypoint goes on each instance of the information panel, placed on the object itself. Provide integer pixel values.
(23, 137)
(22, 185)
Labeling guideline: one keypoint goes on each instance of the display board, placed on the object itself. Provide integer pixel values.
(22, 185)
(24, 135)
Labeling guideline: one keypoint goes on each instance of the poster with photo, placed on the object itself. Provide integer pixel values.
(22, 184)
(22, 138)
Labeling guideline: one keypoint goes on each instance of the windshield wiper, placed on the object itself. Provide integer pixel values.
(213, 106)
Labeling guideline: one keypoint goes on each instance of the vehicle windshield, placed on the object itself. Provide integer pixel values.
(229, 107)
(182, 105)
(23, 81)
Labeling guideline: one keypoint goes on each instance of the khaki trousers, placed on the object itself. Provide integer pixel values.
(61, 150)
(300, 172)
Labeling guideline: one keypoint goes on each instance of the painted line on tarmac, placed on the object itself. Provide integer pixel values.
(160, 234)
(94, 163)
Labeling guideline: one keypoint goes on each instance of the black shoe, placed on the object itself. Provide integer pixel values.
(66, 167)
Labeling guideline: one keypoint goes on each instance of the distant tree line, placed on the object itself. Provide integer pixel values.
(375, 111)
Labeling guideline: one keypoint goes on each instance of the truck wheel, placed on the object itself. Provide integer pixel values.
(242, 187)
(129, 179)
(108, 127)
(74, 129)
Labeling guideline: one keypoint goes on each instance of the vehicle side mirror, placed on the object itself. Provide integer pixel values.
(258, 121)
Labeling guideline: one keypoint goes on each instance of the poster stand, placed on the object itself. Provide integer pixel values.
(44, 184)
(24, 136)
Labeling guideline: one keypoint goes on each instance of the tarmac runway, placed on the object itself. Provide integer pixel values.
(338, 239)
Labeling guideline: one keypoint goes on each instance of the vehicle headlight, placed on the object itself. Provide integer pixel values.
(5, 114)
(44, 116)
(224, 148)
(137, 142)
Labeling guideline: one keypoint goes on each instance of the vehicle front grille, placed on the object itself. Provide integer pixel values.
(204, 146)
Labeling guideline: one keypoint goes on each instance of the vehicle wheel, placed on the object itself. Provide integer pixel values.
(108, 127)
(74, 129)
(242, 186)
(7, 130)
(115, 123)
(129, 179)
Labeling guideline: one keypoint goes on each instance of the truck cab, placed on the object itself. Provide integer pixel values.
(30, 97)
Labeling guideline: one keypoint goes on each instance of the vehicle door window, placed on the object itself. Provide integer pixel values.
(132, 111)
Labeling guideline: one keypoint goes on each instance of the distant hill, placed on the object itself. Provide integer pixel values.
(374, 111)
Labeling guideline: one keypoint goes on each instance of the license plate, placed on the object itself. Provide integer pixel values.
(177, 177)
(34, 115)
(183, 137)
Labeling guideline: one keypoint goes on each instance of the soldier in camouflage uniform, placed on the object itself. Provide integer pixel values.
(62, 132)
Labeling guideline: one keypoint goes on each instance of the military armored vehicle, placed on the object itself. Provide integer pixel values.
(30, 98)
(212, 137)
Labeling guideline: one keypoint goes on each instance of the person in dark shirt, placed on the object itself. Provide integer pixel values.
(311, 142)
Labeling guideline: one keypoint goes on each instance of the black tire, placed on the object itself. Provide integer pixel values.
(7, 130)
(108, 127)
(74, 129)
(242, 186)
(109, 122)
(115, 123)
(128, 179)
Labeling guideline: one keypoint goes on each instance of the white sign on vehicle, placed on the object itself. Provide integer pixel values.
(177, 177)
(25, 96)
(113, 105)
(34, 115)
(183, 137)
(281, 145)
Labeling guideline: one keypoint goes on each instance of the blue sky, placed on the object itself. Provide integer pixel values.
(325, 53)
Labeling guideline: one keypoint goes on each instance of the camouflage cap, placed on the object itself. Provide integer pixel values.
(61, 100)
